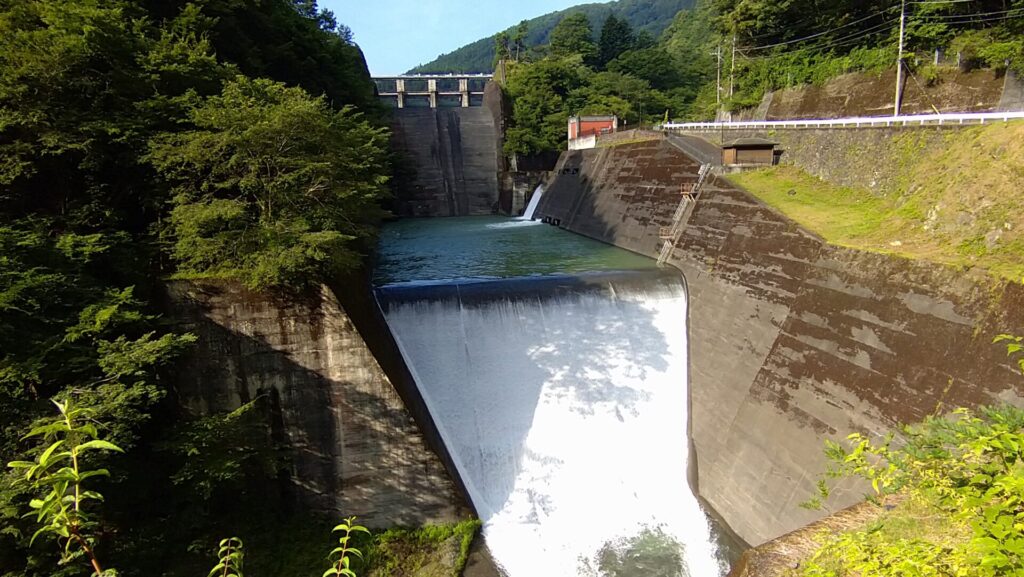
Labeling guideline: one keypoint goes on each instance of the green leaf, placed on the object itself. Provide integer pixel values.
(40, 531)
(45, 457)
(96, 473)
(91, 495)
(100, 445)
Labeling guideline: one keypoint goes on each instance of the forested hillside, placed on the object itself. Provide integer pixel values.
(781, 44)
(723, 55)
(650, 16)
(619, 71)
(143, 139)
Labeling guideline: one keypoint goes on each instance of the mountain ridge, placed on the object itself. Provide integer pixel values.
(652, 16)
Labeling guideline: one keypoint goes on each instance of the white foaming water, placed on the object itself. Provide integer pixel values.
(534, 201)
(567, 419)
(514, 223)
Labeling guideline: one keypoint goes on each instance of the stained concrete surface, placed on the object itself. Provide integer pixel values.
(354, 447)
(1013, 93)
(792, 340)
(869, 94)
(454, 154)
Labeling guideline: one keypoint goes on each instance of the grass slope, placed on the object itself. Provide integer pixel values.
(961, 203)
(654, 16)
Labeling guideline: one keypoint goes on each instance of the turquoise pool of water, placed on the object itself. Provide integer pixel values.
(485, 247)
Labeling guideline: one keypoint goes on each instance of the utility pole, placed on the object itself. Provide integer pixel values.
(732, 75)
(732, 67)
(899, 60)
(718, 83)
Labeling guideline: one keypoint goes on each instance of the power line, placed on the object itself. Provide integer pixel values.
(941, 1)
(875, 29)
(819, 34)
(980, 21)
(953, 18)
(979, 14)
(794, 25)
(834, 43)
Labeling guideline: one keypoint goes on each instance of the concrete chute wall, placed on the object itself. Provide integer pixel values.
(353, 446)
(792, 340)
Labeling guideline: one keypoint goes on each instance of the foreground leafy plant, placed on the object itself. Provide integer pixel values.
(1014, 348)
(964, 475)
(340, 555)
(58, 476)
(231, 555)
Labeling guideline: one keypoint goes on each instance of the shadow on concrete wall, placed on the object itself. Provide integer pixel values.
(353, 448)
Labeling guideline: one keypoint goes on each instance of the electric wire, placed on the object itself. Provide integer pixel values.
(799, 23)
(979, 14)
(940, 1)
(843, 41)
(817, 35)
(980, 21)
(874, 30)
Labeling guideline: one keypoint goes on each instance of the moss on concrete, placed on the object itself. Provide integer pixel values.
(956, 199)
(300, 548)
(433, 551)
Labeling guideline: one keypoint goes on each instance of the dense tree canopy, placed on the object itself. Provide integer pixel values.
(616, 38)
(641, 83)
(756, 46)
(649, 17)
(271, 183)
(573, 35)
(782, 44)
(140, 139)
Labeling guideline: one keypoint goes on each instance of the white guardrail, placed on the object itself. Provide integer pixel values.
(857, 122)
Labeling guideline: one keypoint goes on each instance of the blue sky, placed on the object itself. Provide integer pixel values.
(397, 35)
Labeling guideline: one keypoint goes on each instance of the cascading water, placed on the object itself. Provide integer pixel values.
(531, 208)
(563, 402)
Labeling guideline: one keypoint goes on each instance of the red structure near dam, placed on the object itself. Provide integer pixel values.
(580, 126)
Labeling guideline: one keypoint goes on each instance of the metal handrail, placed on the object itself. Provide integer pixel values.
(854, 122)
(671, 235)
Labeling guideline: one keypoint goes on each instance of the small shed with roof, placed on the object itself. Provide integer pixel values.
(749, 152)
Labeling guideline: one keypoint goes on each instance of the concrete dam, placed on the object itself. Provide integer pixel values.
(447, 130)
(562, 397)
(570, 393)
(792, 340)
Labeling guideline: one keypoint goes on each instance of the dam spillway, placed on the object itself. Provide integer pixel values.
(555, 368)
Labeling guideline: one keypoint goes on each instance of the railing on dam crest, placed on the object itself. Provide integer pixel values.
(432, 91)
(855, 122)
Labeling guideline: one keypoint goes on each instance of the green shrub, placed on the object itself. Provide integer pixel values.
(962, 484)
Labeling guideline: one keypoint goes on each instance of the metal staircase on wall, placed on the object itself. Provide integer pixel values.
(671, 234)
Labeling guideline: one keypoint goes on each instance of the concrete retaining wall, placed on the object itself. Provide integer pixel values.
(872, 158)
(792, 340)
(865, 94)
(354, 447)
